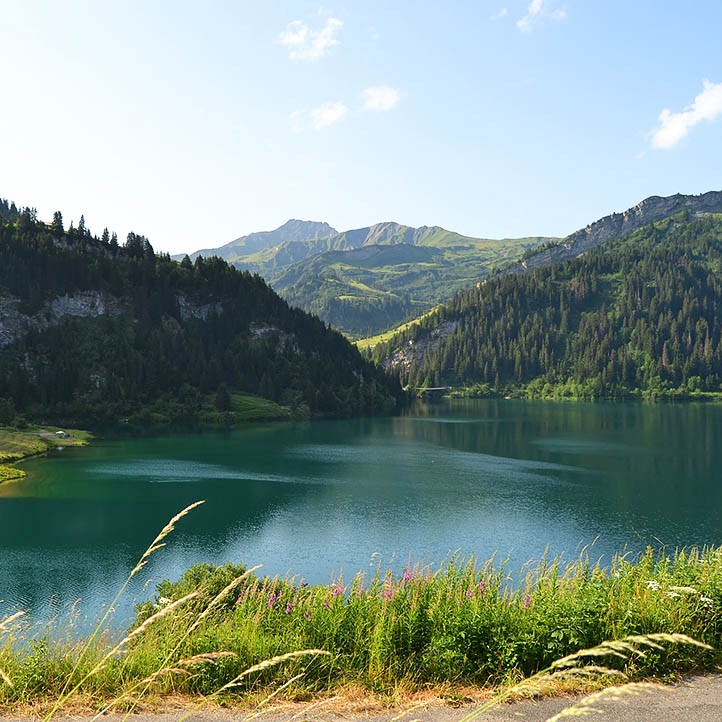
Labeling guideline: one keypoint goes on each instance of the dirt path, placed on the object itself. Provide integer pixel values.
(698, 699)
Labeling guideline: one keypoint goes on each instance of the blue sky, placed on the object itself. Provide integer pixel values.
(195, 123)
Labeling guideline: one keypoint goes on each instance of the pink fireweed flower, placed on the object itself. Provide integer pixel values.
(407, 576)
(388, 593)
(272, 599)
(469, 593)
(289, 607)
(526, 602)
(337, 591)
(483, 586)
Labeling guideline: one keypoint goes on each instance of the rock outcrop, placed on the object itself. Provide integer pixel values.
(618, 225)
(14, 324)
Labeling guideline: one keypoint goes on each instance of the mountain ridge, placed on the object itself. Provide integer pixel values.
(618, 225)
(292, 230)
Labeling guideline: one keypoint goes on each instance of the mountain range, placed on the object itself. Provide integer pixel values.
(366, 280)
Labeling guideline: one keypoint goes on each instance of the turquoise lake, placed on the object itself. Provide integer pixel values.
(324, 498)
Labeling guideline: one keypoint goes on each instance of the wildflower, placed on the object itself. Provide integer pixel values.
(672, 595)
(272, 599)
(337, 591)
(289, 607)
(526, 602)
(707, 601)
(307, 614)
(407, 575)
(483, 586)
(469, 593)
(651, 584)
(388, 593)
(684, 590)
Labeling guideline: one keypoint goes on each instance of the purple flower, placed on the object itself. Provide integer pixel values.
(337, 591)
(407, 575)
(469, 593)
(526, 602)
(289, 607)
(272, 599)
(483, 586)
(388, 593)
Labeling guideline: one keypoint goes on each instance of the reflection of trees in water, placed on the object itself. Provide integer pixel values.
(654, 467)
(63, 549)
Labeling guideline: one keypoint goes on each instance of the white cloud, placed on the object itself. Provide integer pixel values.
(306, 44)
(673, 127)
(381, 98)
(536, 12)
(328, 114)
(500, 13)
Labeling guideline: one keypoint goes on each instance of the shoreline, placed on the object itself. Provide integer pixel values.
(18, 445)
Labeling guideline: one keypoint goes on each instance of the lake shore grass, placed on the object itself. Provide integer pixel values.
(460, 631)
(20, 444)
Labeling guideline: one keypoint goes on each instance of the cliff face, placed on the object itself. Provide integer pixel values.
(618, 225)
(14, 324)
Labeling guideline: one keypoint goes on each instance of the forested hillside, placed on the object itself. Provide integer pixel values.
(641, 314)
(94, 332)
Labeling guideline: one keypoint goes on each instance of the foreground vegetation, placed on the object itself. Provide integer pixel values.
(17, 444)
(226, 633)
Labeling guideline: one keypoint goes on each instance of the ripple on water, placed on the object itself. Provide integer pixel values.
(176, 471)
(581, 445)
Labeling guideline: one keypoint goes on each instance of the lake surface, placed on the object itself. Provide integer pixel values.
(317, 499)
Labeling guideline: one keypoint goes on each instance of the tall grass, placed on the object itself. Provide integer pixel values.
(462, 623)
(225, 632)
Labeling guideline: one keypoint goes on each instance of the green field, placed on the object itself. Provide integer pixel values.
(255, 408)
(16, 445)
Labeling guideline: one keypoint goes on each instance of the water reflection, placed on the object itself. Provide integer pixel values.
(484, 477)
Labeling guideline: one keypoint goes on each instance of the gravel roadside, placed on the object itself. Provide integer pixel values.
(698, 699)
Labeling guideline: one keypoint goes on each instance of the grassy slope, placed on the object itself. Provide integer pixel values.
(371, 341)
(16, 445)
(255, 408)
(416, 278)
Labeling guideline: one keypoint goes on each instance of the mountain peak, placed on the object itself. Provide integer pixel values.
(291, 231)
